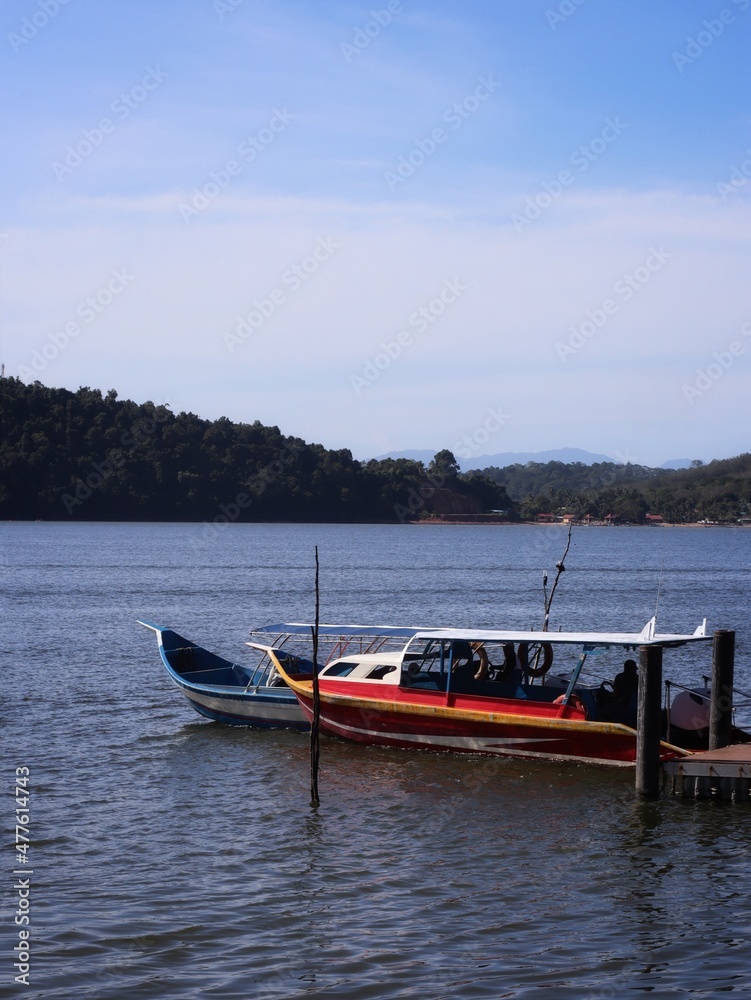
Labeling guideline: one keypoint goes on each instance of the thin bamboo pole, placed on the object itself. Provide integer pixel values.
(315, 750)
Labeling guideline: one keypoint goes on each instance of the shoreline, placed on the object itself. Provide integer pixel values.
(577, 524)
(436, 521)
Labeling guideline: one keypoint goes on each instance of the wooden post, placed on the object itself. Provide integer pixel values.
(721, 704)
(648, 722)
(315, 724)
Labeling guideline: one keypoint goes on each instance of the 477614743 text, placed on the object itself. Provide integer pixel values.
(22, 884)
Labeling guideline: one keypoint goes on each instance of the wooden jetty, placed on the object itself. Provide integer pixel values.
(724, 773)
(721, 772)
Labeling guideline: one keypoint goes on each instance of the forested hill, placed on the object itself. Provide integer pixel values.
(87, 456)
(717, 491)
(535, 478)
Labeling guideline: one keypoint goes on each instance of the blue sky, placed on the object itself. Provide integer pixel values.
(489, 226)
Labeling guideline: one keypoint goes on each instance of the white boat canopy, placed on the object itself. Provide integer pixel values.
(647, 637)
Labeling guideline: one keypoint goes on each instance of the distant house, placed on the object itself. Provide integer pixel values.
(610, 518)
(545, 518)
(654, 518)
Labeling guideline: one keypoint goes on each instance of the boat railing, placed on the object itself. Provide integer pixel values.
(335, 643)
(683, 687)
(261, 674)
(342, 646)
(744, 694)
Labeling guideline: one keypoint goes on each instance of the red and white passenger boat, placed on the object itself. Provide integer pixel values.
(509, 693)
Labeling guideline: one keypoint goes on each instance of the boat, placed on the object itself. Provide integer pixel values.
(481, 691)
(238, 695)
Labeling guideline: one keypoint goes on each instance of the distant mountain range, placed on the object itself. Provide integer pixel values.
(505, 458)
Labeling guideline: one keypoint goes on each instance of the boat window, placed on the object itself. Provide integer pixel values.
(339, 669)
(380, 672)
(426, 661)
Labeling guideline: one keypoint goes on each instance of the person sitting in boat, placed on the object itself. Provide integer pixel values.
(621, 703)
(626, 683)
(511, 668)
(462, 663)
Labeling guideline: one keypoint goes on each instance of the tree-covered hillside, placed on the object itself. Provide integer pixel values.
(536, 478)
(717, 491)
(90, 456)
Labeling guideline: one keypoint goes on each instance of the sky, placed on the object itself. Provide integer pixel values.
(488, 226)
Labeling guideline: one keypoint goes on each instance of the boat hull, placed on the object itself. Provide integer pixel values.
(262, 708)
(445, 728)
(238, 703)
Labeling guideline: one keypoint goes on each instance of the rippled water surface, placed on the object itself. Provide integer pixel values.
(176, 858)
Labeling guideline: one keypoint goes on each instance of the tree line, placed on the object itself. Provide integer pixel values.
(717, 491)
(90, 456)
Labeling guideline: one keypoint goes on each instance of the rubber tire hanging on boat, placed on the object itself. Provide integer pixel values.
(547, 659)
(484, 665)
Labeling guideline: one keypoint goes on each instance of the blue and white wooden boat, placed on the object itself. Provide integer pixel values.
(253, 695)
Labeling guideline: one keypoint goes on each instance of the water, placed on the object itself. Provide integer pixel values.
(175, 858)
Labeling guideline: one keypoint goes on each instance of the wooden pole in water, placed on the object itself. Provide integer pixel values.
(314, 726)
(721, 704)
(648, 722)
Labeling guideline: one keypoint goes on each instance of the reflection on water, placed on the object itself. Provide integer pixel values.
(175, 858)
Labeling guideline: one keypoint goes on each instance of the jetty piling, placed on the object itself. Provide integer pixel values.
(721, 704)
(648, 722)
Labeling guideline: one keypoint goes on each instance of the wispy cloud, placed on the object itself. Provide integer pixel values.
(649, 186)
